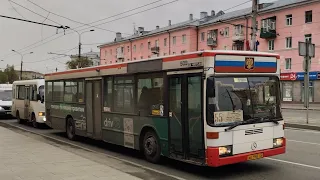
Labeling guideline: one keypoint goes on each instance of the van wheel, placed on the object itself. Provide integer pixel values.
(151, 147)
(35, 124)
(18, 117)
(70, 128)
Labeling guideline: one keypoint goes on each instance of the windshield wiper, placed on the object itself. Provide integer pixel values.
(243, 122)
(254, 120)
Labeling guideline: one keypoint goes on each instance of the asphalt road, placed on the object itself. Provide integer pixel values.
(302, 160)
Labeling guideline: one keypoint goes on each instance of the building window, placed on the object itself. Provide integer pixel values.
(134, 58)
(134, 48)
(157, 43)
(149, 45)
(141, 46)
(110, 51)
(150, 97)
(238, 29)
(165, 42)
(184, 51)
(226, 32)
(174, 40)
(202, 37)
(268, 25)
(288, 42)
(288, 63)
(308, 16)
(271, 45)
(141, 57)
(128, 48)
(173, 53)
(164, 54)
(238, 47)
(308, 38)
(184, 39)
(289, 20)
(106, 53)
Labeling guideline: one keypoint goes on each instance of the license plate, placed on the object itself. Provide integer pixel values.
(255, 156)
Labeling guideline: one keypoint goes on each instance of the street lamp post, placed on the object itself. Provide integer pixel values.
(79, 56)
(21, 60)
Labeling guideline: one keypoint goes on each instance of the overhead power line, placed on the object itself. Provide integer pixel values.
(29, 21)
(34, 12)
(16, 10)
(28, 47)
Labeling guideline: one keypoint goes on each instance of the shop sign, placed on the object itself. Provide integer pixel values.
(312, 76)
(288, 76)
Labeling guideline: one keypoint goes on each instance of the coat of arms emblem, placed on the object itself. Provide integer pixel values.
(249, 63)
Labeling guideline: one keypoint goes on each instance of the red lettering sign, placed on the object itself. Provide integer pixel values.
(288, 76)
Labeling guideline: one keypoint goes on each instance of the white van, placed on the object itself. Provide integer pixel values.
(5, 99)
(28, 101)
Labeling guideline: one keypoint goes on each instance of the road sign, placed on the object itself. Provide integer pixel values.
(303, 49)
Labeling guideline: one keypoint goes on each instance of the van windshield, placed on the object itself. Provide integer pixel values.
(6, 95)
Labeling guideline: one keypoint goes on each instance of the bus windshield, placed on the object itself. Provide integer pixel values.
(6, 95)
(234, 99)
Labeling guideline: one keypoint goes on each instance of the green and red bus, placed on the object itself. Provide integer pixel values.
(209, 108)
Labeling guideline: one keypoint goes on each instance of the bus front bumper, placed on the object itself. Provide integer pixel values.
(214, 160)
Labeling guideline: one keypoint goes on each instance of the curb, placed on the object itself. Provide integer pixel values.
(303, 126)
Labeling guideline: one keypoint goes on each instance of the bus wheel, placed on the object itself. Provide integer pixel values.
(18, 117)
(35, 124)
(70, 129)
(151, 147)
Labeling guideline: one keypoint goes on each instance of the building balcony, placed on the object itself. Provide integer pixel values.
(238, 37)
(155, 50)
(212, 42)
(120, 55)
(268, 34)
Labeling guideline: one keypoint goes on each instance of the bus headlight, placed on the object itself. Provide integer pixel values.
(278, 142)
(41, 114)
(225, 150)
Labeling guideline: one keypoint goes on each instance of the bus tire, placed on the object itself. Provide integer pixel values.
(70, 129)
(18, 117)
(151, 147)
(34, 122)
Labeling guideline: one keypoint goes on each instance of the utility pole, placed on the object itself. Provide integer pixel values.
(254, 24)
(56, 69)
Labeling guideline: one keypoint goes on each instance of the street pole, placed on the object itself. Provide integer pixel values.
(306, 81)
(21, 67)
(254, 24)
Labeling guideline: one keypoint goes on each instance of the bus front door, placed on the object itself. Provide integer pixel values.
(26, 103)
(185, 117)
(93, 108)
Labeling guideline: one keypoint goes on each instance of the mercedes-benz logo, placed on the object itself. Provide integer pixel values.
(254, 146)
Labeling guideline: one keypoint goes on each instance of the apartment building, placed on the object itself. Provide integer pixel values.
(281, 25)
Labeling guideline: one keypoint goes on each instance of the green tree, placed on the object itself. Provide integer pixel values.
(79, 63)
(3, 77)
(11, 74)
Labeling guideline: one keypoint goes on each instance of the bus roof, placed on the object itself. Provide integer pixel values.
(28, 82)
(121, 68)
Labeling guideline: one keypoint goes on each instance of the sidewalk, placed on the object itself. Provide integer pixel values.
(24, 158)
(315, 107)
(297, 119)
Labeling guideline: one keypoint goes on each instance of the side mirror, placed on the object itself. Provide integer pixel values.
(38, 97)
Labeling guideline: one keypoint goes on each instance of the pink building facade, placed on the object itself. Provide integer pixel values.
(281, 25)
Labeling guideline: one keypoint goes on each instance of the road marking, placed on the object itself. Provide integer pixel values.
(90, 150)
(304, 142)
(294, 163)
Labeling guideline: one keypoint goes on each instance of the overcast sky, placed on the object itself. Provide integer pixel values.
(17, 35)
